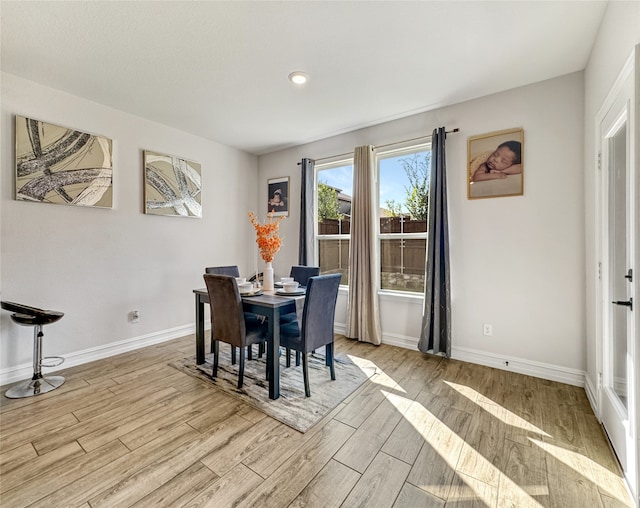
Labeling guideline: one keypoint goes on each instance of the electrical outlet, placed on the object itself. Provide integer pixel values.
(135, 316)
(487, 329)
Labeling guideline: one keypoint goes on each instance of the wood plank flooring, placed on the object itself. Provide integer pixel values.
(424, 432)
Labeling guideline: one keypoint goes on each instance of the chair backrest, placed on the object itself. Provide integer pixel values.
(231, 270)
(319, 311)
(301, 274)
(226, 307)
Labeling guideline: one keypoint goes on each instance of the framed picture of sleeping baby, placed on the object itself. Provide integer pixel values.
(495, 164)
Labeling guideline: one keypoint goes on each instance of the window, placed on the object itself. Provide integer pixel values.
(333, 186)
(403, 195)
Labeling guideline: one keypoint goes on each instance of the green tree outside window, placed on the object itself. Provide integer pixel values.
(328, 205)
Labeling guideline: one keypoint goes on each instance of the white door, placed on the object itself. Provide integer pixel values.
(617, 158)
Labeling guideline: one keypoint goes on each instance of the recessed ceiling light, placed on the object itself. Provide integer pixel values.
(298, 77)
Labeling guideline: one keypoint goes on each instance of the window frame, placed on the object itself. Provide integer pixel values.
(318, 168)
(408, 148)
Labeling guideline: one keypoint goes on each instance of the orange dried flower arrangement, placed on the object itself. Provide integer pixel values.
(267, 236)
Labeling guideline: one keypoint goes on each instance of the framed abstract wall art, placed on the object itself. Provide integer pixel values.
(172, 185)
(278, 198)
(495, 164)
(60, 165)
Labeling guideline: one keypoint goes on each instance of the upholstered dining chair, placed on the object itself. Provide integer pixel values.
(234, 271)
(301, 274)
(228, 323)
(231, 270)
(316, 329)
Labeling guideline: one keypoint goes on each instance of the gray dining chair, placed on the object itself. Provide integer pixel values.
(234, 271)
(301, 273)
(228, 323)
(316, 329)
(231, 270)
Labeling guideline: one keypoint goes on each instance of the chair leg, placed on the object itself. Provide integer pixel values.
(241, 369)
(216, 350)
(288, 352)
(305, 375)
(261, 349)
(233, 355)
(297, 358)
(250, 352)
(329, 359)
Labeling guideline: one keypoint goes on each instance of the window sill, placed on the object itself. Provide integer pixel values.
(395, 296)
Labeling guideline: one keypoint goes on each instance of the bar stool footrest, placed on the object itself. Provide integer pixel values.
(58, 360)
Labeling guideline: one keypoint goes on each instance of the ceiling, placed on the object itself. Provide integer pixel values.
(219, 69)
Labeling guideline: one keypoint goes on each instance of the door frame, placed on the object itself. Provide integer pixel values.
(630, 68)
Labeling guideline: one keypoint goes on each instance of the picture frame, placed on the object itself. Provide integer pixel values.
(495, 164)
(278, 196)
(172, 185)
(61, 165)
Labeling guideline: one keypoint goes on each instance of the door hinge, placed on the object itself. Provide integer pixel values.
(599, 270)
(599, 380)
(599, 160)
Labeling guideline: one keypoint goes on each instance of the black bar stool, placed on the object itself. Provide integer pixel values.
(30, 316)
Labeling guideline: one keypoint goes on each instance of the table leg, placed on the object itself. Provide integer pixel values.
(273, 354)
(199, 330)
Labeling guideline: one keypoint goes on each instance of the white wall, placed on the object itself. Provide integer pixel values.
(619, 33)
(516, 262)
(97, 265)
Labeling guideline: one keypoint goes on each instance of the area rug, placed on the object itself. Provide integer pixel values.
(292, 408)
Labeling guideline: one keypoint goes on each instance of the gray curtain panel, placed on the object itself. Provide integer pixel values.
(435, 335)
(306, 243)
(363, 313)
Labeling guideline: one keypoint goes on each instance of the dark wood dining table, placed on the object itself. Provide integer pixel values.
(268, 304)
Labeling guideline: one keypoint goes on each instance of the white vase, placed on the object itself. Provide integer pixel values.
(267, 277)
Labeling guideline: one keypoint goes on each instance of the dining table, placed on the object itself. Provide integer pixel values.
(265, 303)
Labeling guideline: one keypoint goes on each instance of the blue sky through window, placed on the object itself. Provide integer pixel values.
(393, 179)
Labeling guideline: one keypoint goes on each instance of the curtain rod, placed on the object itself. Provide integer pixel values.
(384, 146)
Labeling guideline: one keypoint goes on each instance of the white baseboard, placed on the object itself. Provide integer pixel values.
(387, 338)
(400, 341)
(25, 371)
(592, 395)
(548, 371)
(521, 366)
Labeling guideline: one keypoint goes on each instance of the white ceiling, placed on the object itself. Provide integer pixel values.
(219, 69)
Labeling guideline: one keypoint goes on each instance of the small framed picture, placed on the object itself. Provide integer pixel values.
(495, 164)
(278, 198)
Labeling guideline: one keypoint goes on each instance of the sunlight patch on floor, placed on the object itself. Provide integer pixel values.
(586, 467)
(379, 377)
(489, 405)
(449, 445)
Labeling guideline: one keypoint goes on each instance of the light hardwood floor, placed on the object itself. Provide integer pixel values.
(426, 432)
